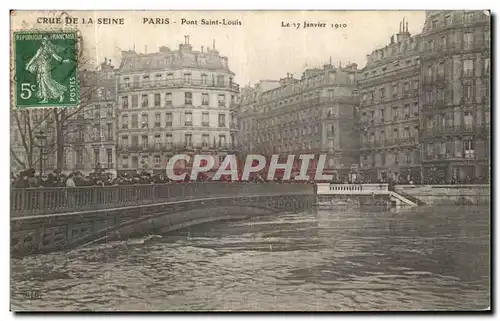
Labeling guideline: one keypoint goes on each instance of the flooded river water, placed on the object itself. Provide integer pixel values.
(428, 258)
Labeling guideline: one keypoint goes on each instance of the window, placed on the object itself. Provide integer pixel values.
(486, 65)
(168, 119)
(188, 98)
(157, 141)
(144, 101)
(220, 81)
(157, 119)
(441, 70)
(468, 121)
(382, 93)
(469, 149)
(170, 77)
(158, 79)
(126, 80)
(204, 119)
(135, 101)
(168, 99)
(144, 121)
(395, 115)
(110, 131)
(124, 141)
(430, 45)
(135, 121)
(144, 140)
(187, 78)
(222, 100)
(443, 42)
(434, 23)
(222, 120)
(109, 157)
(157, 159)
(168, 141)
(204, 79)
(135, 162)
(96, 157)
(125, 102)
(468, 67)
(124, 121)
(205, 140)
(222, 140)
(440, 95)
(331, 96)
(188, 120)
(407, 111)
(204, 99)
(157, 100)
(447, 20)
(188, 139)
(394, 90)
(415, 109)
(395, 134)
(429, 73)
(468, 17)
(79, 157)
(467, 92)
(468, 40)
(406, 87)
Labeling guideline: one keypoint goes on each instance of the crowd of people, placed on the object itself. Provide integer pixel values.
(29, 179)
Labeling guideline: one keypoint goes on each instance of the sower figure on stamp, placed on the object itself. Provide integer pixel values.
(48, 88)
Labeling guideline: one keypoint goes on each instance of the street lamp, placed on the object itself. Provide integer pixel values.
(41, 137)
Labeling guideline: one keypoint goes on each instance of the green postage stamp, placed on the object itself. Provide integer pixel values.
(46, 69)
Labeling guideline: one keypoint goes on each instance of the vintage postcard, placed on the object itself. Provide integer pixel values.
(250, 160)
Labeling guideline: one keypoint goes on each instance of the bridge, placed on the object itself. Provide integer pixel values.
(52, 219)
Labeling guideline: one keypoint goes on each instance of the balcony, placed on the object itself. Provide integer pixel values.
(458, 130)
(176, 83)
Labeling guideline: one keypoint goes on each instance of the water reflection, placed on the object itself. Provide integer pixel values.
(424, 258)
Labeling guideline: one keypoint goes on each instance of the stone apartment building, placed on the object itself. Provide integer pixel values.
(455, 95)
(92, 134)
(389, 111)
(425, 101)
(311, 115)
(172, 102)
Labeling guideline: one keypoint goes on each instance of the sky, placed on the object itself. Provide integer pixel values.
(259, 48)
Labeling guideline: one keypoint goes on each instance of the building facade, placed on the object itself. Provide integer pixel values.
(311, 115)
(389, 111)
(91, 132)
(172, 102)
(455, 96)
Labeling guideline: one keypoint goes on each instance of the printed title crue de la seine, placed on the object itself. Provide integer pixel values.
(145, 21)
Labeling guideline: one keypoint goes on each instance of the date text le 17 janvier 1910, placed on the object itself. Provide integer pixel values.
(307, 24)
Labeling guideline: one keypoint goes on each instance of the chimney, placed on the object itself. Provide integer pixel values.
(201, 48)
(146, 49)
(213, 44)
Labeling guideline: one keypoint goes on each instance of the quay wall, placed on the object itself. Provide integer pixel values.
(447, 194)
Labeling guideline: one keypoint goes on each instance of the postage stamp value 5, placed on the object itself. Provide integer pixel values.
(46, 69)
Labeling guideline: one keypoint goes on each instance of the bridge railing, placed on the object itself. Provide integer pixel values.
(33, 201)
(352, 189)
